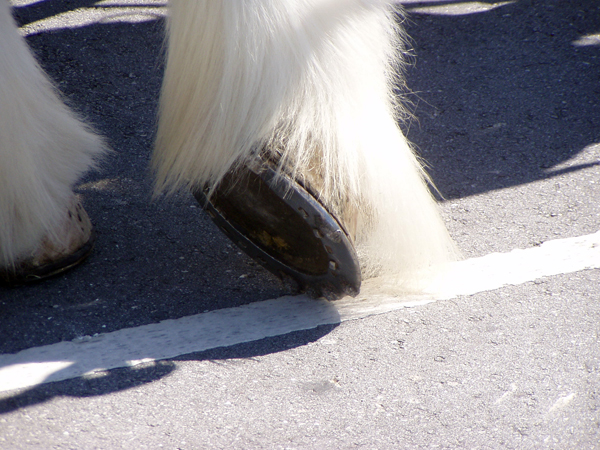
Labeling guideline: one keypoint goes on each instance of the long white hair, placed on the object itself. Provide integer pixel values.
(310, 81)
(44, 148)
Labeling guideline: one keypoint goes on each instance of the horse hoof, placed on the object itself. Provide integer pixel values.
(278, 223)
(69, 247)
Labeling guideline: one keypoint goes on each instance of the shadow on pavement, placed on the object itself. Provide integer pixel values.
(501, 97)
(117, 380)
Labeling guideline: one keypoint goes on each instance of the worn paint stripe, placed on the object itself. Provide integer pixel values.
(226, 327)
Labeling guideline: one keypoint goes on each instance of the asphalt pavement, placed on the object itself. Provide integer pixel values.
(506, 104)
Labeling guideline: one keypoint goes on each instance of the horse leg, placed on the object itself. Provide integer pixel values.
(44, 149)
(309, 83)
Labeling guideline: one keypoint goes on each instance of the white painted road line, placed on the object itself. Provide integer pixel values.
(226, 327)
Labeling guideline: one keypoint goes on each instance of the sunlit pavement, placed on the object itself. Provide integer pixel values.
(504, 354)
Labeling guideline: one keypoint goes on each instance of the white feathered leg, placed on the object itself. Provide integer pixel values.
(311, 78)
(44, 149)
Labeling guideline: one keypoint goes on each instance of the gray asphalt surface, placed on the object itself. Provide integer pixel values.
(507, 114)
